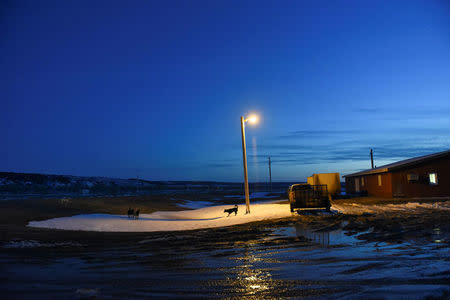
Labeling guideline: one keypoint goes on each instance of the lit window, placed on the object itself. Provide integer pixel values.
(433, 178)
(362, 181)
(412, 177)
(379, 180)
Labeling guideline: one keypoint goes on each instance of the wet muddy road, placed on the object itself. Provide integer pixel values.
(277, 259)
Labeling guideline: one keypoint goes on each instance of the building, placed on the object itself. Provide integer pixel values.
(332, 180)
(424, 176)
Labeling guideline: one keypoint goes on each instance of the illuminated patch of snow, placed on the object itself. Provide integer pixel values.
(208, 217)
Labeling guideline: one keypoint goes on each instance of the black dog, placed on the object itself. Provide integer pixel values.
(231, 210)
(130, 213)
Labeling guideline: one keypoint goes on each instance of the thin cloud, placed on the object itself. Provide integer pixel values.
(369, 110)
(324, 147)
(403, 112)
(317, 133)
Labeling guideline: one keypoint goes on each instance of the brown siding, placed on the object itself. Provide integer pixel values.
(350, 185)
(371, 185)
(422, 188)
(395, 183)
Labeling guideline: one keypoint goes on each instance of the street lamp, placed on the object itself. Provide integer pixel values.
(253, 119)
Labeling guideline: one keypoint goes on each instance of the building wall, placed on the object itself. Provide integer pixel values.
(369, 183)
(395, 183)
(422, 187)
(349, 185)
(374, 189)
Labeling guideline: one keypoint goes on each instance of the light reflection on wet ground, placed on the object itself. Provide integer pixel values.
(274, 260)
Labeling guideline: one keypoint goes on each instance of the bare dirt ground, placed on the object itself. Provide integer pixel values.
(15, 214)
(389, 224)
(384, 254)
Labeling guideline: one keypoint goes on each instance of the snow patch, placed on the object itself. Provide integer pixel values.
(195, 204)
(208, 217)
(355, 208)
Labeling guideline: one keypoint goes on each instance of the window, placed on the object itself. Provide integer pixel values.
(433, 178)
(379, 180)
(412, 177)
(362, 181)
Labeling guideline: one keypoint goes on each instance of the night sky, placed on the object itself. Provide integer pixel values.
(155, 89)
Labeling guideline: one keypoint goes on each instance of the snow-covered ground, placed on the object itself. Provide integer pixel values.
(356, 208)
(195, 204)
(267, 195)
(207, 217)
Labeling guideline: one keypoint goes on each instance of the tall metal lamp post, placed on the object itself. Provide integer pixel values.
(252, 119)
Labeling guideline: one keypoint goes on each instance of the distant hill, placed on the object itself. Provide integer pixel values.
(26, 185)
(31, 183)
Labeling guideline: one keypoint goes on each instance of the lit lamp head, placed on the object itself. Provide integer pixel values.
(253, 119)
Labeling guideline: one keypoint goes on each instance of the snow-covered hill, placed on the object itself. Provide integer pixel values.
(28, 185)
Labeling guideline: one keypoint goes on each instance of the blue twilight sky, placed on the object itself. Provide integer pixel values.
(155, 89)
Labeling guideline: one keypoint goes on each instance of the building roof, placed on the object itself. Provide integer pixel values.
(400, 164)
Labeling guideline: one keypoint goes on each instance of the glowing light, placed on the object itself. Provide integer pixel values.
(253, 119)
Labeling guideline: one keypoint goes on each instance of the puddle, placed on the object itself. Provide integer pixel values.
(36, 244)
(321, 238)
(329, 238)
(299, 263)
(438, 236)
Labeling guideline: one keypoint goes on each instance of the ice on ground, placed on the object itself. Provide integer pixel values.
(36, 244)
(86, 293)
(207, 217)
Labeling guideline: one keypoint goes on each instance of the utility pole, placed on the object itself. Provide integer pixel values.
(252, 119)
(244, 155)
(371, 157)
(270, 175)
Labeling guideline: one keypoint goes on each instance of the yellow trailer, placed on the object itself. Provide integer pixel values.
(331, 180)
